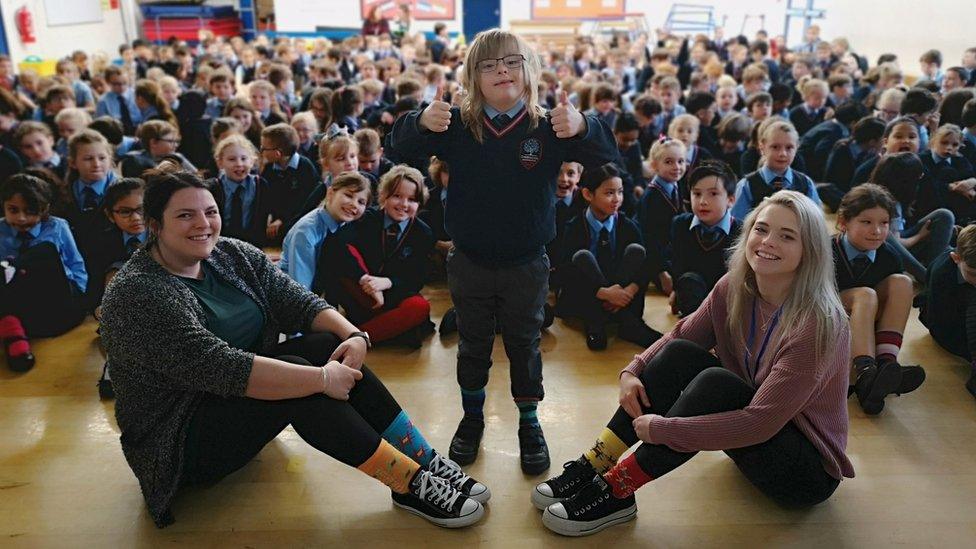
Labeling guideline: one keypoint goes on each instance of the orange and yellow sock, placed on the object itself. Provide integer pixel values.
(607, 450)
(391, 467)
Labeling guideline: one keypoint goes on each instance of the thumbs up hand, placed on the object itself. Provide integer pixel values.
(437, 116)
(566, 120)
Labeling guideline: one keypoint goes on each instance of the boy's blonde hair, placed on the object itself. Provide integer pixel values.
(683, 119)
(661, 147)
(966, 245)
(942, 131)
(234, 140)
(372, 86)
(754, 72)
(775, 124)
(492, 44)
(813, 85)
(307, 117)
(73, 113)
(726, 81)
(391, 181)
(670, 83)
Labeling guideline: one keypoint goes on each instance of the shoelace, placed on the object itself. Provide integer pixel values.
(574, 470)
(448, 470)
(590, 496)
(437, 491)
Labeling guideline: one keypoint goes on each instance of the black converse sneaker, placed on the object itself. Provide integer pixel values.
(450, 471)
(575, 475)
(592, 509)
(434, 499)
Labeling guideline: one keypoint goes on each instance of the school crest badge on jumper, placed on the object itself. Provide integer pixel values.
(530, 152)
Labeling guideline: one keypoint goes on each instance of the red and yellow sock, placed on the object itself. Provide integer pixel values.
(391, 467)
(607, 450)
(626, 477)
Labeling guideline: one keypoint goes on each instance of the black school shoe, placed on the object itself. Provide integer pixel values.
(105, 389)
(638, 332)
(20, 363)
(575, 475)
(596, 337)
(434, 499)
(467, 440)
(912, 377)
(874, 383)
(590, 510)
(449, 322)
(450, 471)
(533, 450)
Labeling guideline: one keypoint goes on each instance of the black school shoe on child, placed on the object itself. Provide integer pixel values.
(590, 510)
(533, 450)
(467, 440)
(874, 383)
(575, 475)
(450, 471)
(434, 499)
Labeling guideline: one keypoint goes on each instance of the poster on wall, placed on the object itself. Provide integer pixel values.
(437, 10)
(577, 9)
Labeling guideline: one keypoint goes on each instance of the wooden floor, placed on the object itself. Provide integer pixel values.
(64, 482)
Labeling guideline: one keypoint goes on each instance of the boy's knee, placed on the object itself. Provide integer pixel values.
(863, 296)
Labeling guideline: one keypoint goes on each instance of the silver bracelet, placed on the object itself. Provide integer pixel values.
(325, 380)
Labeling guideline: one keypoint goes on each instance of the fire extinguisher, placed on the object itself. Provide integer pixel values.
(25, 25)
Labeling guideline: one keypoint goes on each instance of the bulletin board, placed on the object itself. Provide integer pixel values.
(577, 9)
(435, 10)
(74, 12)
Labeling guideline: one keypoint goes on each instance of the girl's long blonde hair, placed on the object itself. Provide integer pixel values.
(492, 44)
(813, 297)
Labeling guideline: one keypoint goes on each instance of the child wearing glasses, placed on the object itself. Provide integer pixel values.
(159, 139)
(500, 144)
(292, 178)
(42, 274)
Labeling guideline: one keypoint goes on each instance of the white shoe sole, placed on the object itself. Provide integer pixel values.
(459, 522)
(541, 501)
(576, 528)
(481, 498)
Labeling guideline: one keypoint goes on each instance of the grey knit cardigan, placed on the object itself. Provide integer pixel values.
(164, 359)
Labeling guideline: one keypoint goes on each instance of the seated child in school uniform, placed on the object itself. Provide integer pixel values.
(291, 177)
(949, 311)
(918, 240)
(733, 134)
(36, 144)
(90, 175)
(338, 154)
(949, 180)
(69, 122)
(900, 136)
(626, 133)
(371, 159)
(849, 153)
(307, 128)
(816, 144)
(604, 105)
(600, 265)
(379, 263)
(750, 159)
(876, 294)
(700, 238)
(778, 141)
(244, 198)
(123, 207)
(685, 128)
(159, 139)
(659, 204)
(813, 110)
(703, 107)
(221, 85)
(42, 273)
(345, 201)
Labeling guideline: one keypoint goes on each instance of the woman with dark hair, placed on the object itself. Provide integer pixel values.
(191, 323)
(375, 24)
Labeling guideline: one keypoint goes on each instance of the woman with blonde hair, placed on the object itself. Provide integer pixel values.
(773, 396)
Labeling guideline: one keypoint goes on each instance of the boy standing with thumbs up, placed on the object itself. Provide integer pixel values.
(505, 155)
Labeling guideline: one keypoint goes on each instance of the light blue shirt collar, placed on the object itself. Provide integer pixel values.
(668, 186)
(596, 225)
(938, 158)
(768, 175)
(141, 236)
(292, 162)
(492, 112)
(230, 185)
(403, 224)
(725, 224)
(690, 155)
(329, 222)
(851, 252)
(567, 200)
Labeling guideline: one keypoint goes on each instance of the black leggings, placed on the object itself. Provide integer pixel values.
(226, 433)
(684, 380)
(40, 294)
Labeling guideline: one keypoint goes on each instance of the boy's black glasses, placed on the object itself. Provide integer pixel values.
(513, 61)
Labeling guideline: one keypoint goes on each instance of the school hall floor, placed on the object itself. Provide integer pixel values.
(64, 481)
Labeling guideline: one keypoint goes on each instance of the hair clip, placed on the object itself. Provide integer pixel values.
(335, 131)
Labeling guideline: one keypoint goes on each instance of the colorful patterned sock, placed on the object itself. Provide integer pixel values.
(527, 413)
(389, 466)
(626, 477)
(473, 402)
(886, 345)
(607, 450)
(404, 436)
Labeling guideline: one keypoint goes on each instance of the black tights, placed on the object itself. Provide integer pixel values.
(685, 380)
(226, 433)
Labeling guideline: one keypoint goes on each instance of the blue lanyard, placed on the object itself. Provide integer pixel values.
(752, 338)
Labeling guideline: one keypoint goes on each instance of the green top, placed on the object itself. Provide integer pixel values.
(231, 314)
